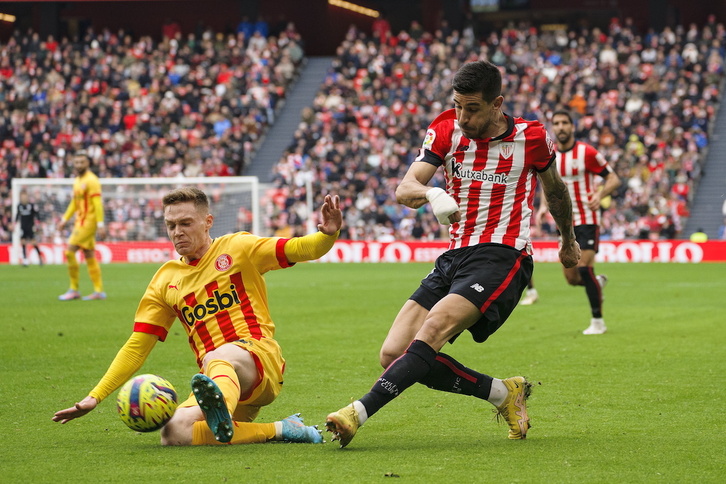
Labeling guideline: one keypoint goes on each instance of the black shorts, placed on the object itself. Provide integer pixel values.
(27, 233)
(588, 236)
(491, 276)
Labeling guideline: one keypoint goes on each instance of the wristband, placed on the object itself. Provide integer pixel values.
(442, 203)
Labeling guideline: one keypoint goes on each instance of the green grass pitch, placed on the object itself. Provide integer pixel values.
(642, 403)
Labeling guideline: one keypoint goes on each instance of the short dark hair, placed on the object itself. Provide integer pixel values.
(187, 194)
(479, 77)
(563, 112)
(84, 154)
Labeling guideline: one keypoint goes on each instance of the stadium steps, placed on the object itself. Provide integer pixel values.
(280, 134)
(709, 196)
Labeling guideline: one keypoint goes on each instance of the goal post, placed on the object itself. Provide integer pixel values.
(135, 229)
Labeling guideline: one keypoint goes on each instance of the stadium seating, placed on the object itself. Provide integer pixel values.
(645, 100)
(197, 105)
(190, 105)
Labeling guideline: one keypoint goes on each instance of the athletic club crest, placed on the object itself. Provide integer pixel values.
(223, 262)
(506, 150)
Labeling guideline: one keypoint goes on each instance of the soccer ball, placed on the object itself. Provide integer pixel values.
(146, 402)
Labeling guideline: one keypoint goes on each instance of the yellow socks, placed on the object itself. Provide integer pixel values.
(226, 379)
(72, 269)
(244, 433)
(223, 374)
(94, 272)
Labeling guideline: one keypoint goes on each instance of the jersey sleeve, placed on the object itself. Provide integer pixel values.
(153, 315)
(595, 162)
(540, 147)
(265, 253)
(437, 143)
(94, 187)
(97, 208)
(309, 247)
(70, 210)
(128, 361)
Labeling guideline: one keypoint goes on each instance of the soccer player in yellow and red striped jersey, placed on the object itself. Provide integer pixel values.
(87, 207)
(217, 291)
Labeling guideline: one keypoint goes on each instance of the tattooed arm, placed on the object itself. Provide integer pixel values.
(560, 206)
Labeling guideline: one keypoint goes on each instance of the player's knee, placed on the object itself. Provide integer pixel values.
(386, 359)
(178, 431)
(388, 355)
(574, 281)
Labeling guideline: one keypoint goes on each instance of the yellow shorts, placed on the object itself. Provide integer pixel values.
(83, 237)
(270, 368)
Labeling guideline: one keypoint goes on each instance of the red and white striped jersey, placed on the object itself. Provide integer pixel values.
(578, 167)
(492, 179)
(219, 298)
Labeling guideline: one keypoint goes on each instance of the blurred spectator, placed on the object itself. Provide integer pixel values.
(699, 236)
(722, 230)
(170, 29)
(381, 29)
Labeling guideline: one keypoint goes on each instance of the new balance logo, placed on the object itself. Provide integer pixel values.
(477, 287)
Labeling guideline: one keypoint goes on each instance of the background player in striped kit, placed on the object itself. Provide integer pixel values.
(578, 163)
(218, 293)
(491, 162)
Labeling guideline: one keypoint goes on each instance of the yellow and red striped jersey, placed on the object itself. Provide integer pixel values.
(85, 188)
(219, 298)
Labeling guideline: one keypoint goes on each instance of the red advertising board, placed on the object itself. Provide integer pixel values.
(544, 251)
(358, 251)
(105, 251)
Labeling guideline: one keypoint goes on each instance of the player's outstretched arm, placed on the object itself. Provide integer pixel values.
(414, 192)
(560, 206)
(128, 360)
(78, 410)
(332, 216)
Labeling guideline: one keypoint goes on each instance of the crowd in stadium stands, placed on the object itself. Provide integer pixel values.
(187, 105)
(195, 105)
(645, 100)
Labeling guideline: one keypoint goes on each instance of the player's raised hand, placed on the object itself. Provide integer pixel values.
(78, 410)
(332, 217)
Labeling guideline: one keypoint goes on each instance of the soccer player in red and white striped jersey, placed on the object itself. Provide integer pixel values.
(491, 161)
(579, 166)
(218, 293)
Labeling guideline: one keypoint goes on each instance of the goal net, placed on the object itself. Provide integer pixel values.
(135, 230)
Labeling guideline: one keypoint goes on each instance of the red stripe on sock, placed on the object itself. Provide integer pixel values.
(228, 377)
(457, 371)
